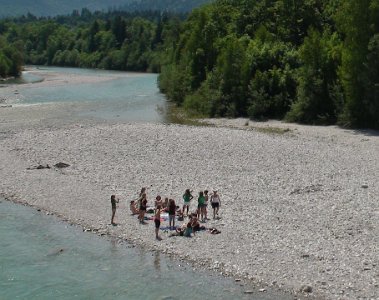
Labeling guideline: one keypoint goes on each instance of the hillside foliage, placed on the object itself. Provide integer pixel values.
(307, 61)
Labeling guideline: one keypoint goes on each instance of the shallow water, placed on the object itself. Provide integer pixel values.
(89, 267)
(124, 96)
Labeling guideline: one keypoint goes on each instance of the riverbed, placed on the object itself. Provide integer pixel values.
(299, 203)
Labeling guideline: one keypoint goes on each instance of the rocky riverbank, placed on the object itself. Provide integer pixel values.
(300, 209)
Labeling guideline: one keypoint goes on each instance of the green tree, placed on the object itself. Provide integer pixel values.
(358, 21)
(317, 102)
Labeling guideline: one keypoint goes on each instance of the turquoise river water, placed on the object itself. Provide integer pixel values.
(44, 258)
(120, 96)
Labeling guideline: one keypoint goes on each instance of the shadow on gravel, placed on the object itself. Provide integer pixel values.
(367, 132)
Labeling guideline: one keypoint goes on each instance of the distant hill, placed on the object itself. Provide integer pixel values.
(53, 7)
(56, 7)
(163, 5)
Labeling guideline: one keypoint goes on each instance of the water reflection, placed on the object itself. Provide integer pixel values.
(157, 261)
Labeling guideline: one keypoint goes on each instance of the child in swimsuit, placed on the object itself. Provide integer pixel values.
(113, 203)
(133, 208)
(158, 201)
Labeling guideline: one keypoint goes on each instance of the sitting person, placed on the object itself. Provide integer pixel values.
(180, 215)
(179, 231)
(158, 201)
(188, 230)
(192, 225)
(195, 222)
(133, 208)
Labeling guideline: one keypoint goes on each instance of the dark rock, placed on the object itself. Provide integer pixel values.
(306, 289)
(61, 165)
(39, 167)
(43, 167)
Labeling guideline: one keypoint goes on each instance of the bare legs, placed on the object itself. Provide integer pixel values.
(113, 214)
(184, 206)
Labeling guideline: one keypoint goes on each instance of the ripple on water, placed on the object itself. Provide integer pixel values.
(43, 258)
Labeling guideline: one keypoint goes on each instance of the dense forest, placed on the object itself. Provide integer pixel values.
(307, 61)
(114, 40)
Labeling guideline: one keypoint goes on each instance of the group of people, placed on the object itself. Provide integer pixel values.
(202, 203)
(140, 207)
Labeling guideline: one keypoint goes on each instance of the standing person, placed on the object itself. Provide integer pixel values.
(143, 191)
(206, 204)
(165, 204)
(216, 203)
(187, 197)
(142, 208)
(171, 213)
(157, 221)
(201, 206)
(113, 202)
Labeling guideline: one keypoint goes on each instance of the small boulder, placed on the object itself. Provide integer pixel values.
(61, 165)
(306, 289)
(39, 167)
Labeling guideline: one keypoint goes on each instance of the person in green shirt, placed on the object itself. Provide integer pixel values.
(201, 206)
(187, 197)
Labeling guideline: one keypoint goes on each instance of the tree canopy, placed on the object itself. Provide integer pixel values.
(307, 61)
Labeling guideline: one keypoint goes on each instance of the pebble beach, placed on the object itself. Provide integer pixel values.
(300, 204)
